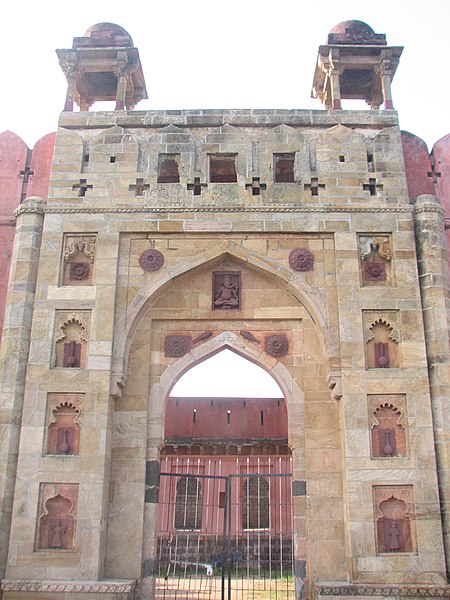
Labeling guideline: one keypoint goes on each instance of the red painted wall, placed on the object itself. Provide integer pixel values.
(248, 418)
(13, 159)
(441, 156)
(417, 165)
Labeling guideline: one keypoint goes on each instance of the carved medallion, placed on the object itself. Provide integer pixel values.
(226, 290)
(151, 260)
(79, 271)
(301, 259)
(276, 345)
(177, 345)
(374, 271)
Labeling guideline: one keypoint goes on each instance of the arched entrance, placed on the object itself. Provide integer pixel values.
(179, 327)
(225, 522)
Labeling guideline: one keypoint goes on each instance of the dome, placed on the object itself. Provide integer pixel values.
(106, 34)
(356, 33)
(357, 26)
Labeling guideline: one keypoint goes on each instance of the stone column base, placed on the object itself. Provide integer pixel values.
(15, 589)
(360, 591)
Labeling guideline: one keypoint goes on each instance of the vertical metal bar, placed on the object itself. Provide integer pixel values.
(226, 509)
(280, 464)
(229, 537)
(270, 528)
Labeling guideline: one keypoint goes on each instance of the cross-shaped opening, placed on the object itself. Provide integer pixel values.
(196, 187)
(82, 188)
(255, 186)
(139, 187)
(314, 186)
(434, 174)
(373, 187)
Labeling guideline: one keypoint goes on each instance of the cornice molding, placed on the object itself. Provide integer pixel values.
(327, 209)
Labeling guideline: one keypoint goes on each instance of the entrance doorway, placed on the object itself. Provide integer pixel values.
(225, 525)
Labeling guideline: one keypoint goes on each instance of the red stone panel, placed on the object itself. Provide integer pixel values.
(226, 418)
(41, 164)
(441, 155)
(417, 165)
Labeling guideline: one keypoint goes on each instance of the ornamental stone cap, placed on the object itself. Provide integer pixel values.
(104, 35)
(355, 32)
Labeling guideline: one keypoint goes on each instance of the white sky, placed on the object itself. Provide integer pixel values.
(227, 374)
(233, 54)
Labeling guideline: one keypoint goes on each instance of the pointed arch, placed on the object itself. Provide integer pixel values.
(293, 281)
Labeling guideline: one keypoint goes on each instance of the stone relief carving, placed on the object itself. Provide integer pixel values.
(387, 318)
(177, 345)
(375, 253)
(226, 288)
(151, 260)
(63, 423)
(248, 335)
(74, 245)
(71, 335)
(387, 423)
(276, 345)
(78, 255)
(301, 259)
(381, 334)
(202, 337)
(393, 507)
(57, 516)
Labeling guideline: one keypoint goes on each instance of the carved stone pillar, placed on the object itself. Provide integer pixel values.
(121, 72)
(14, 353)
(433, 280)
(334, 74)
(385, 73)
(69, 67)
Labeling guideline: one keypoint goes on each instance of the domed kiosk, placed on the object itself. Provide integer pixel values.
(356, 63)
(103, 64)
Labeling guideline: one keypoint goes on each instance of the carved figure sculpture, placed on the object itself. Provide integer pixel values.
(227, 295)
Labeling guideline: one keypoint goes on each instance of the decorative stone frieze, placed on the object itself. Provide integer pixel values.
(69, 587)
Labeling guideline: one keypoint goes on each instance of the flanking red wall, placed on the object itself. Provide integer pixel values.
(15, 157)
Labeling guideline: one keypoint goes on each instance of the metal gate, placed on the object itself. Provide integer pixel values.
(225, 535)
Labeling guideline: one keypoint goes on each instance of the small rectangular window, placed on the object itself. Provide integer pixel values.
(168, 171)
(284, 167)
(222, 168)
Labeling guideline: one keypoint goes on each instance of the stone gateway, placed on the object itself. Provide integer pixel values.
(299, 241)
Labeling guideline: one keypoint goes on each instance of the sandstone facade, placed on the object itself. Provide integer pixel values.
(340, 287)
